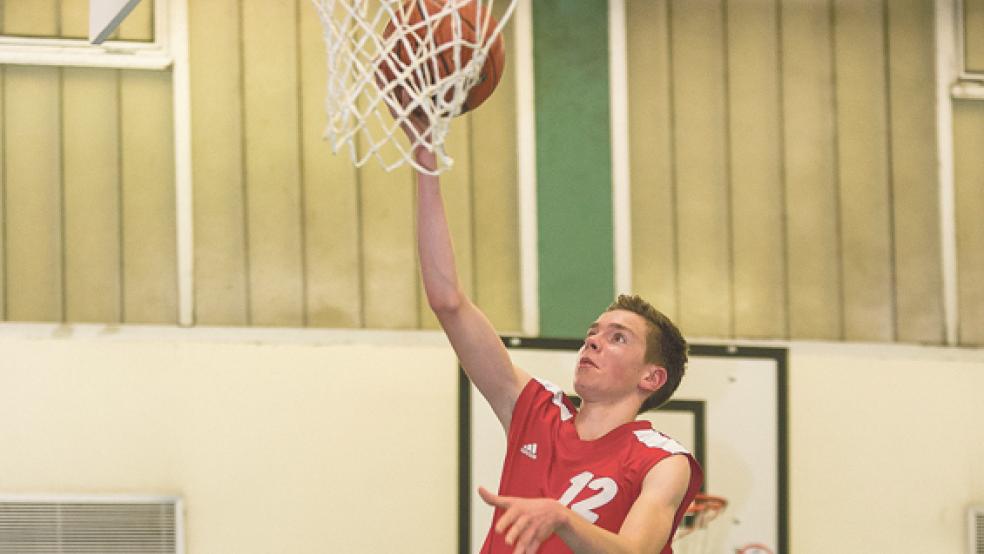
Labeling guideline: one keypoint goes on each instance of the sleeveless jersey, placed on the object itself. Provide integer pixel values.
(599, 479)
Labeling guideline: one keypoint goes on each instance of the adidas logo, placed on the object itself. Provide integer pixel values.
(529, 450)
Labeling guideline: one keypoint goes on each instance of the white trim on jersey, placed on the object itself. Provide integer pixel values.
(558, 398)
(654, 439)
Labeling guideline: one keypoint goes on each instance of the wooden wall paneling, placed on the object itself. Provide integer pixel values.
(150, 292)
(331, 210)
(139, 25)
(968, 137)
(3, 193)
(755, 132)
(495, 199)
(651, 169)
(33, 172)
(221, 287)
(912, 120)
(91, 177)
(700, 137)
(32, 18)
(813, 256)
(3, 202)
(456, 188)
(389, 259)
(272, 159)
(863, 154)
(74, 19)
(388, 248)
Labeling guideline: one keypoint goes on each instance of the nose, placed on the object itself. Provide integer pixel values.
(591, 343)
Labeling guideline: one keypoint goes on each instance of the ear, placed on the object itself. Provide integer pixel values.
(654, 378)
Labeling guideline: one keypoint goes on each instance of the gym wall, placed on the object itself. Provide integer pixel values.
(314, 441)
(783, 178)
(784, 187)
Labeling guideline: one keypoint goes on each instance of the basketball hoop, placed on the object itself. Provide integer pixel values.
(434, 51)
(691, 537)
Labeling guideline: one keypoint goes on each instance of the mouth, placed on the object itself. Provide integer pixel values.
(586, 362)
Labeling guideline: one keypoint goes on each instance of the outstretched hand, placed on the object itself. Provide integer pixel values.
(526, 522)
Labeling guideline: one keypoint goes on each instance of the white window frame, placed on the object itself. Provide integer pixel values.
(968, 84)
(120, 54)
(167, 52)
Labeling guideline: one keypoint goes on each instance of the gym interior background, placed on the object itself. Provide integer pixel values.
(798, 173)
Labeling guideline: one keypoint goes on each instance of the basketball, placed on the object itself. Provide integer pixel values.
(421, 18)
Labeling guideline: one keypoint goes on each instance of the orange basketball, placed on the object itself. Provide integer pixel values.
(440, 63)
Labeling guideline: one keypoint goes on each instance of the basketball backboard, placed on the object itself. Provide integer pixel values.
(105, 16)
(729, 412)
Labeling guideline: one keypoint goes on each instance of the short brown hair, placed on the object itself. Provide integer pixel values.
(665, 346)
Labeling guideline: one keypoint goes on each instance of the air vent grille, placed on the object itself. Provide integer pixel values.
(975, 526)
(103, 525)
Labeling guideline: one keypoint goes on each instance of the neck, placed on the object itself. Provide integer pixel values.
(596, 419)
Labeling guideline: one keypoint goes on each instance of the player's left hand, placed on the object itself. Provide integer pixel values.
(527, 522)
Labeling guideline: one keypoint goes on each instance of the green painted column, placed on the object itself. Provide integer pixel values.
(573, 152)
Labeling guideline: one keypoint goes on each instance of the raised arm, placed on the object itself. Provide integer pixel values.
(472, 336)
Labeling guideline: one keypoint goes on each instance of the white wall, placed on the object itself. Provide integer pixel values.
(325, 445)
(887, 448)
(308, 441)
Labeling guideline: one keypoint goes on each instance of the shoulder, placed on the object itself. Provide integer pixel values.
(666, 491)
(541, 395)
(656, 452)
(674, 470)
(653, 439)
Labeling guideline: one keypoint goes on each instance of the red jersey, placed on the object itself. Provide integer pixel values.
(599, 479)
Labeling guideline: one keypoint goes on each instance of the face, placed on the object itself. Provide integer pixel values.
(611, 363)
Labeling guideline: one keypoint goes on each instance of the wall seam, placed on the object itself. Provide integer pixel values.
(120, 200)
(243, 167)
(472, 227)
(783, 176)
(63, 270)
(301, 180)
(890, 172)
(837, 181)
(729, 171)
(675, 223)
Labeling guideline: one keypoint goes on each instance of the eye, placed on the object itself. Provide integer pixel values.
(619, 338)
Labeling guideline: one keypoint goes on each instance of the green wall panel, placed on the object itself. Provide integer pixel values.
(574, 198)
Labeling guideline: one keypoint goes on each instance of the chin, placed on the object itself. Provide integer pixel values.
(581, 389)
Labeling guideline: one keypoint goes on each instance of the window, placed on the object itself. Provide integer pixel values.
(972, 31)
(39, 32)
(969, 54)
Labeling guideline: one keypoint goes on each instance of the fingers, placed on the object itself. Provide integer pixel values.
(524, 537)
(522, 524)
(525, 522)
(507, 520)
(530, 541)
(490, 498)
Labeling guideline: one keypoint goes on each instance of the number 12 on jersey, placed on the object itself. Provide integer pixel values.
(607, 489)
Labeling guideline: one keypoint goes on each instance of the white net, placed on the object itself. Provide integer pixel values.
(390, 59)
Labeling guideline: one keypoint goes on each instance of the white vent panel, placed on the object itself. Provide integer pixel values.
(975, 528)
(69, 525)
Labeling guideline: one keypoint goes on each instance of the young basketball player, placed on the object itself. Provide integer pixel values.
(592, 480)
